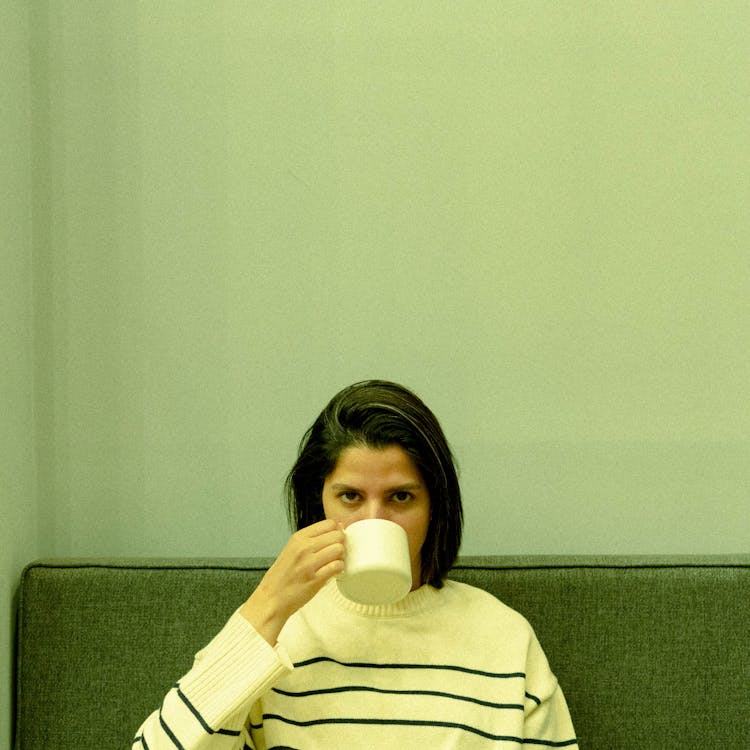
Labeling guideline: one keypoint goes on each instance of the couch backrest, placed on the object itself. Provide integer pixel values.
(651, 653)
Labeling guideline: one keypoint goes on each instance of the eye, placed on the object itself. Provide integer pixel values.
(349, 496)
(402, 496)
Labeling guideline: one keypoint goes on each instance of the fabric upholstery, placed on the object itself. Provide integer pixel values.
(651, 652)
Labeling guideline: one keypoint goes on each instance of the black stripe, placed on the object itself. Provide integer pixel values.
(536, 700)
(420, 723)
(368, 665)
(365, 688)
(170, 733)
(140, 738)
(201, 720)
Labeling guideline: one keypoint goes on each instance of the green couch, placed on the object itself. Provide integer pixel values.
(653, 653)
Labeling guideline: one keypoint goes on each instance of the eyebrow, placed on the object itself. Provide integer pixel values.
(398, 488)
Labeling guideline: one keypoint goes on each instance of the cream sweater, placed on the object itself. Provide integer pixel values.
(448, 668)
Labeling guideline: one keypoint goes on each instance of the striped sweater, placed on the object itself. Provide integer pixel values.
(448, 668)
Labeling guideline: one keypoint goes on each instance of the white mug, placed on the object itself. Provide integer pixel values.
(377, 568)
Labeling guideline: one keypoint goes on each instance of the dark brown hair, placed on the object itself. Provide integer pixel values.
(376, 414)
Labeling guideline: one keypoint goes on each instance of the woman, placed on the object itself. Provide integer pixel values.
(300, 666)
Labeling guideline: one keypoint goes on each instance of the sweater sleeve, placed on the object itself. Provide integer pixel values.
(208, 708)
(546, 717)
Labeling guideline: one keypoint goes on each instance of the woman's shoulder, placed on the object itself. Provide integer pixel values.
(484, 626)
(478, 603)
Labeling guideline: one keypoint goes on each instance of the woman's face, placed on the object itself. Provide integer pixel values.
(380, 483)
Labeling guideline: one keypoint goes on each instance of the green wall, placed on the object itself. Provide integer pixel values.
(18, 510)
(535, 214)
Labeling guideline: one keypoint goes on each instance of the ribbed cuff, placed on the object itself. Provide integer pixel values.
(236, 668)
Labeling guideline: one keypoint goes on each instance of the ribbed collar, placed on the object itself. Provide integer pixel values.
(417, 601)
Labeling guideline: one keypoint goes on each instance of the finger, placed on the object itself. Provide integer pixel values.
(333, 568)
(332, 552)
(326, 540)
(318, 528)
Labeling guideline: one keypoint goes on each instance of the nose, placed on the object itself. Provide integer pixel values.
(375, 509)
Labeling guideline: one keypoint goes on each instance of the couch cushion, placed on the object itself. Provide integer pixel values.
(651, 653)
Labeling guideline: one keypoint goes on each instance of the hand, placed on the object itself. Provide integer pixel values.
(310, 558)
